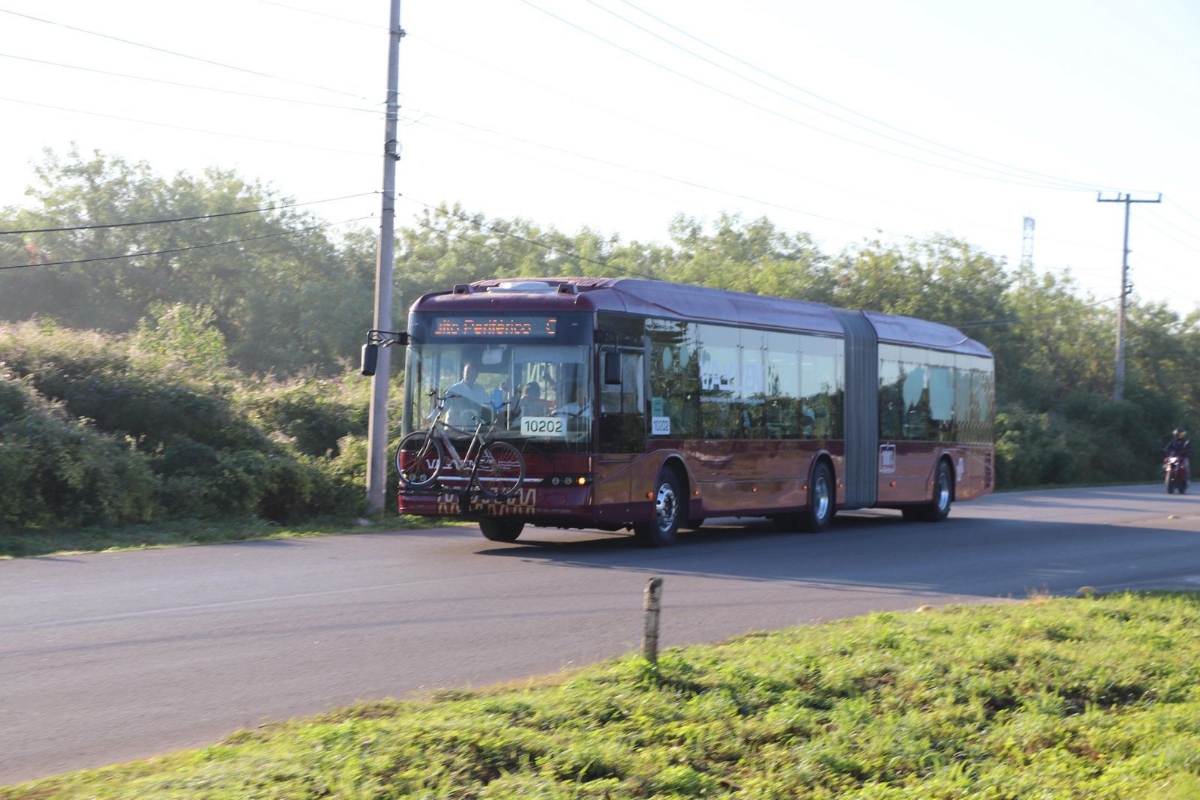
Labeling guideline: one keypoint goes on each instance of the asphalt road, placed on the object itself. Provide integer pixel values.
(110, 657)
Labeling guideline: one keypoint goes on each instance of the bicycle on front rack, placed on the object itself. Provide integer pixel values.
(496, 469)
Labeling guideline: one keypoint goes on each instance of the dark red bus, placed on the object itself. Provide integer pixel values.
(650, 406)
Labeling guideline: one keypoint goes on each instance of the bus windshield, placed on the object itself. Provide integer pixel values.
(526, 390)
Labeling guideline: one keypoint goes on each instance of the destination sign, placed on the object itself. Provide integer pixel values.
(483, 327)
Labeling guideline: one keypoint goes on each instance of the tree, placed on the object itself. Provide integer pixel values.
(284, 296)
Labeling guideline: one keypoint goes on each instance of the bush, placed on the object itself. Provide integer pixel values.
(102, 430)
(58, 471)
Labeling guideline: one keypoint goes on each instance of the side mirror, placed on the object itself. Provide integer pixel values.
(370, 359)
(612, 368)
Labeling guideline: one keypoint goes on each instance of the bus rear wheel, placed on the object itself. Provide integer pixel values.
(939, 508)
(661, 530)
(819, 512)
(501, 530)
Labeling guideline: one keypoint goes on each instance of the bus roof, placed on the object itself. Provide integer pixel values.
(699, 303)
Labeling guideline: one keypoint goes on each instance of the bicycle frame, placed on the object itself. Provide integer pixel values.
(471, 457)
(421, 457)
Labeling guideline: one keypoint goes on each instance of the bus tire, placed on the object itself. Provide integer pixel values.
(661, 530)
(938, 508)
(419, 460)
(817, 515)
(501, 530)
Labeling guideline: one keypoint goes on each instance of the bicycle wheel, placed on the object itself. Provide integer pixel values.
(419, 459)
(500, 470)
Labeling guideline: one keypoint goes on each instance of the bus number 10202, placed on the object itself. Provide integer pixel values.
(542, 426)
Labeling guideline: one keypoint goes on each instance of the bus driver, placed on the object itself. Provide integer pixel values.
(466, 399)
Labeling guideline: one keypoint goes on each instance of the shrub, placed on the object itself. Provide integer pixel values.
(58, 471)
(103, 430)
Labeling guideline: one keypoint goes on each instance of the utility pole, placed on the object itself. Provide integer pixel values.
(1126, 288)
(377, 424)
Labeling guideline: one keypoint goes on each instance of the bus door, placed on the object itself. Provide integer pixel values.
(621, 424)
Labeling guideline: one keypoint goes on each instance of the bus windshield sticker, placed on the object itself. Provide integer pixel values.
(545, 427)
(660, 426)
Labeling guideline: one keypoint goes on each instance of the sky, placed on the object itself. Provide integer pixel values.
(848, 121)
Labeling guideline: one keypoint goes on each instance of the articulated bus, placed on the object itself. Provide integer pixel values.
(649, 406)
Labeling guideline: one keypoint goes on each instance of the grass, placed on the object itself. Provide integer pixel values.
(28, 544)
(1093, 697)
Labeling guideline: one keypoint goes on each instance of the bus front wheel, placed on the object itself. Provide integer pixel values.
(661, 530)
(500, 530)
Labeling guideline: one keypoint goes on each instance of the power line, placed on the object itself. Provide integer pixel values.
(190, 85)
(774, 112)
(181, 249)
(99, 226)
(968, 325)
(509, 235)
(1068, 183)
(668, 178)
(181, 55)
(185, 128)
(1000, 323)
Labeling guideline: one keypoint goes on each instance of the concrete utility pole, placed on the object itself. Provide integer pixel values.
(377, 424)
(1126, 288)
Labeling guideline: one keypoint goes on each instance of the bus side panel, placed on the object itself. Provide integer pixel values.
(749, 477)
(913, 471)
(973, 473)
(904, 476)
(614, 477)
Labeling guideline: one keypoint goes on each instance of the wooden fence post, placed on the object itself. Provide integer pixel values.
(651, 605)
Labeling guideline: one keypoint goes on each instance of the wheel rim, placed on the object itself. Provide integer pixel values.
(413, 462)
(821, 497)
(943, 498)
(501, 470)
(665, 507)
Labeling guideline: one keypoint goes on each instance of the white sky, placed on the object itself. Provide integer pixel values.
(575, 113)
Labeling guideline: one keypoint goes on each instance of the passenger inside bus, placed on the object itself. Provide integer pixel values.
(532, 404)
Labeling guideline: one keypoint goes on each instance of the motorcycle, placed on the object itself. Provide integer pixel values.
(1176, 470)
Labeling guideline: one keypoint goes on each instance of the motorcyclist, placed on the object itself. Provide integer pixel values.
(1179, 445)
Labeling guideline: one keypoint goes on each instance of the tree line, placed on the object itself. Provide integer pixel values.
(232, 311)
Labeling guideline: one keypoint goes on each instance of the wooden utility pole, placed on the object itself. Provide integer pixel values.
(377, 423)
(1126, 288)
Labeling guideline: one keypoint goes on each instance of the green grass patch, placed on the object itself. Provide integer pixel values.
(1071, 698)
(28, 544)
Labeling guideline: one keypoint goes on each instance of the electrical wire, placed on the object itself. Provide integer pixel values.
(776, 113)
(192, 85)
(965, 325)
(1067, 182)
(443, 209)
(181, 55)
(185, 128)
(107, 225)
(660, 176)
(97, 259)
